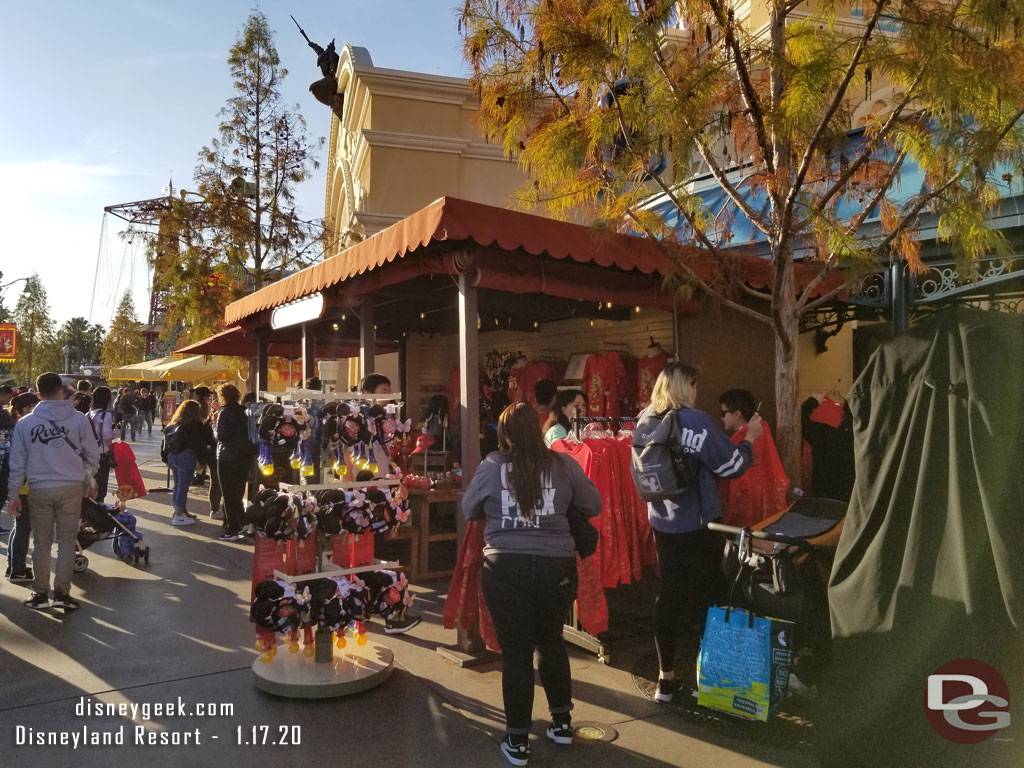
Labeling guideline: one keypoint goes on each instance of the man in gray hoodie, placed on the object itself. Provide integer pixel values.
(54, 449)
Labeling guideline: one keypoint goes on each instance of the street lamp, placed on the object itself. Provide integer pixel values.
(8, 285)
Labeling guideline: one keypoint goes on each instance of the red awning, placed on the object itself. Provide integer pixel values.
(237, 342)
(453, 220)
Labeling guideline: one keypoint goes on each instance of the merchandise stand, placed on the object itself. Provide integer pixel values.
(573, 630)
(360, 665)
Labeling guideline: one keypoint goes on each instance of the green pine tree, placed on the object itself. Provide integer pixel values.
(239, 230)
(124, 343)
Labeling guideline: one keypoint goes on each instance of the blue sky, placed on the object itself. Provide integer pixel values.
(103, 101)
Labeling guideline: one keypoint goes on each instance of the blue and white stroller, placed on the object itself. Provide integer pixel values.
(105, 521)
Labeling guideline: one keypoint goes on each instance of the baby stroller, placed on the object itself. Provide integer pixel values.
(104, 521)
(780, 569)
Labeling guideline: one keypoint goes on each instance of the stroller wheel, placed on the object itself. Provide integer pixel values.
(81, 563)
(137, 554)
(145, 555)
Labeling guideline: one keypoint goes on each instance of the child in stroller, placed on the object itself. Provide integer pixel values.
(106, 521)
(780, 569)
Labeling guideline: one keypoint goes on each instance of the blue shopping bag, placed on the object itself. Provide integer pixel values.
(744, 663)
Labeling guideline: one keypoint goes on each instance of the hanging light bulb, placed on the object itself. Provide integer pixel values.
(295, 459)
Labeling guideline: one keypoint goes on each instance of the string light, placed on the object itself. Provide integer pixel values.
(497, 322)
(423, 315)
(536, 324)
(591, 323)
(609, 305)
(343, 317)
(637, 308)
(600, 305)
(334, 326)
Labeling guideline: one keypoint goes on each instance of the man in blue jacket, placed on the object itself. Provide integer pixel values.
(55, 450)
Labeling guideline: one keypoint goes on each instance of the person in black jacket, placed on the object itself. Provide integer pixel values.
(188, 440)
(234, 455)
(831, 451)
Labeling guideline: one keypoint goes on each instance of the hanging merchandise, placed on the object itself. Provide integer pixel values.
(761, 491)
(608, 385)
(648, 369)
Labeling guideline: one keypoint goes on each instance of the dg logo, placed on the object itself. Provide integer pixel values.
(967, 701)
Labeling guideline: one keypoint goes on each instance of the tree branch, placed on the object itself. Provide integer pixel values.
(706, 155)
(747, 89)
(880, 193)
(695, 277)
(908, 218)
(837, 100)
(825, 298)
(856, 165)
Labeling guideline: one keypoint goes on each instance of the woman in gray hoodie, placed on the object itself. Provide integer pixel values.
(523, 492)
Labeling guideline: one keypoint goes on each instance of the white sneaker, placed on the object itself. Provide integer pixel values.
(182, 520)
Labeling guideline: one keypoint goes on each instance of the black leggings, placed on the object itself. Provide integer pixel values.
(690, 584)
(233, 474)
(529, 598)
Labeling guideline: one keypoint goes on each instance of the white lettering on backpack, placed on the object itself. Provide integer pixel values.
(510, 515)
(694, 441)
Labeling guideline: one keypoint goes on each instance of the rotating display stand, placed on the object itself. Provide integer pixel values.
(328, 673)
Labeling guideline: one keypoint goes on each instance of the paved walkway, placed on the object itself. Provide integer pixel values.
(176, 633)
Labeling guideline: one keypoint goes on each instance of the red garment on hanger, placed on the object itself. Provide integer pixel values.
(516, 393)
(622, 394)
(598, 383)
(829, 412)
(648, 369)
(761, 491)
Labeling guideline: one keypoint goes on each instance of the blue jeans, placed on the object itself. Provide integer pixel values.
(17, 545)
(183, 469)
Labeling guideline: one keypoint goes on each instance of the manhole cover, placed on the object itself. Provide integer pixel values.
(594, 733)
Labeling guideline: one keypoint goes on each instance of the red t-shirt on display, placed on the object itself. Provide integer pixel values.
(648, 369)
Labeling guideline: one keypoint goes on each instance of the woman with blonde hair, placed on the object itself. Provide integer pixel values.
(187, 440)
(687, 551)
(523, 492)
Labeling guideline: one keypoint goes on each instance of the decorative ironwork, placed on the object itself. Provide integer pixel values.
(874, 290)
(944, 281)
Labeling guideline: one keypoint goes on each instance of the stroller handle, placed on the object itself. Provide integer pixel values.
(776, 537)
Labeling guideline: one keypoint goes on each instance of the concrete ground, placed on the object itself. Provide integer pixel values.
(177, 630)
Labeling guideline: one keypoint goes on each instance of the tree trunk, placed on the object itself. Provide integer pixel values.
(787, 365)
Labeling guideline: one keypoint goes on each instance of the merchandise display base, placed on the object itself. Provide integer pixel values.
(353, 669)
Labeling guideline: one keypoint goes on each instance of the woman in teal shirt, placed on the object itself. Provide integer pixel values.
(560, 421)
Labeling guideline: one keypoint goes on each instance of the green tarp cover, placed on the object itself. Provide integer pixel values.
(930, 566)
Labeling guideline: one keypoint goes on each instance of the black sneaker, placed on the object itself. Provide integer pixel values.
(667, 689)
(39, 600)
(67, 602)
(398, 626)
(517, 754)
(560, 733)
(20, 577)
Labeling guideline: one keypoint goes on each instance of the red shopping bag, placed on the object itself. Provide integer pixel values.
(129, 479)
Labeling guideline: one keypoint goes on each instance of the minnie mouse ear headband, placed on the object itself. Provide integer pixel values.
(423, 443)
